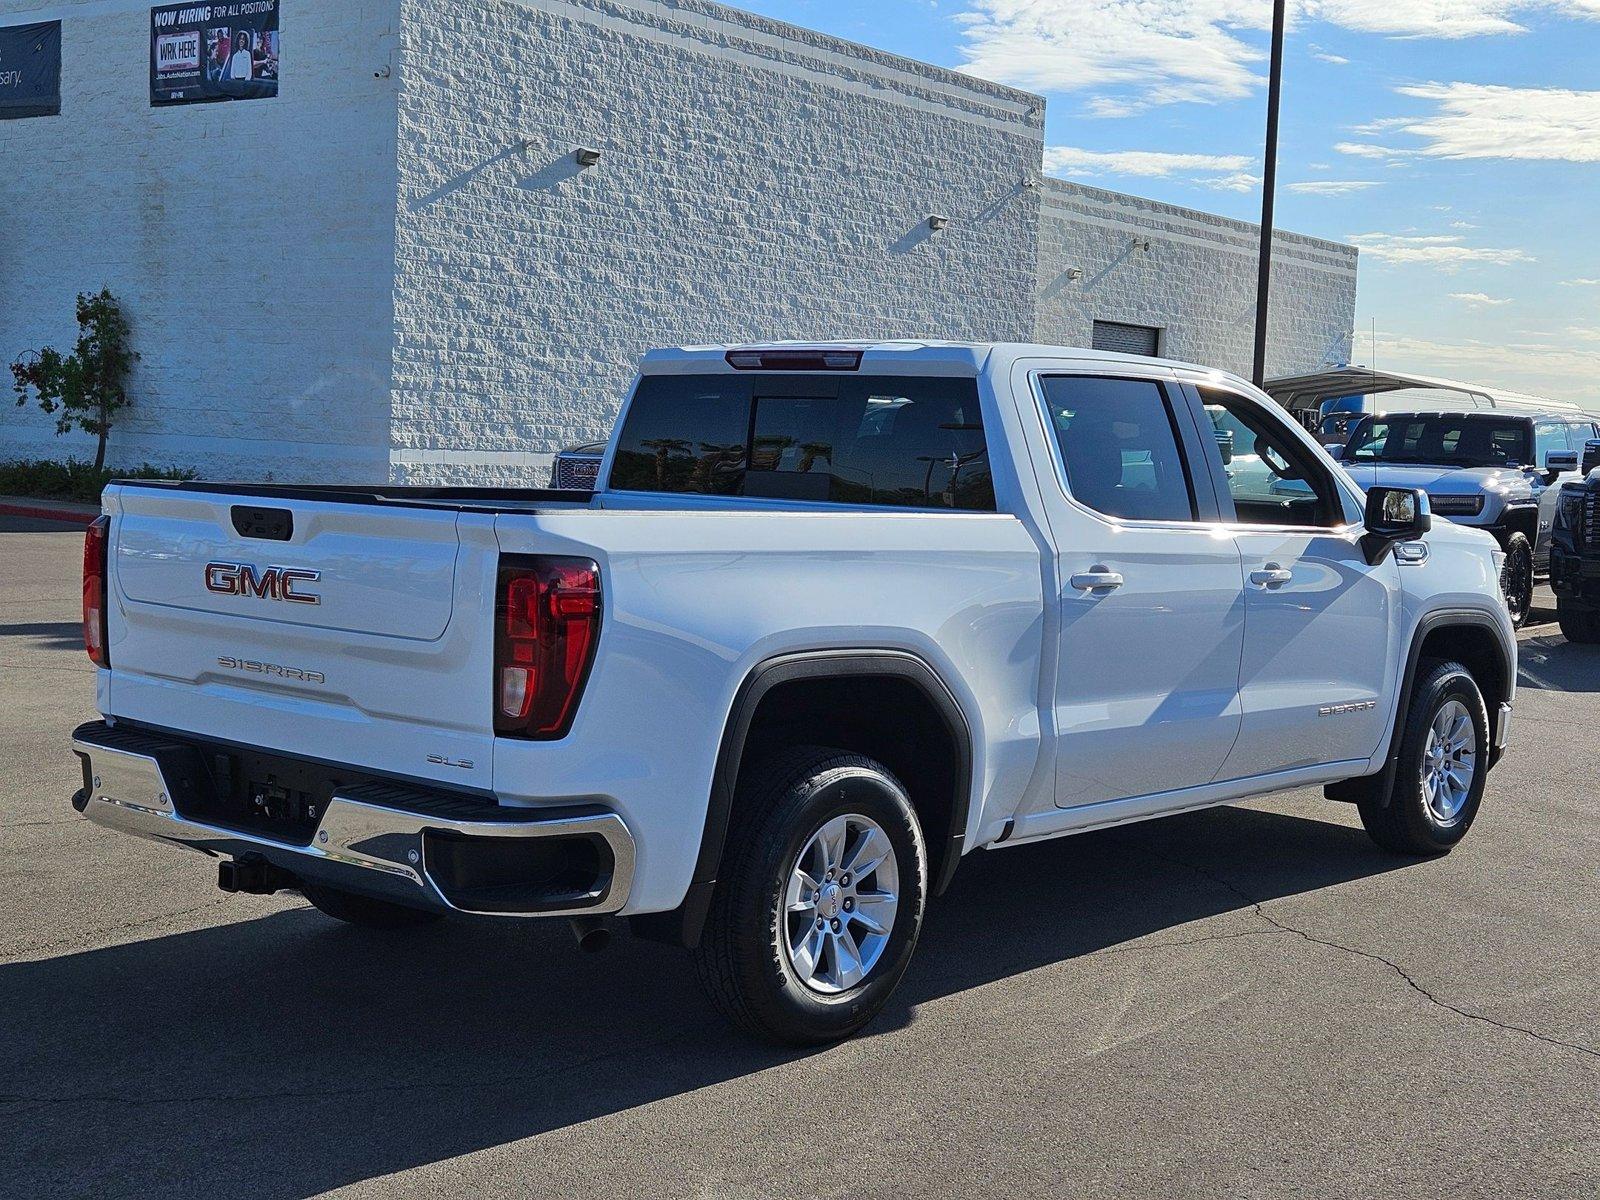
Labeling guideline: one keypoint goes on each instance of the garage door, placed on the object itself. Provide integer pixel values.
(1127, 339)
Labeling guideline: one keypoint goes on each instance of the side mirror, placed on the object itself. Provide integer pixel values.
(1394, 515)
(1225, 445)
(1558, 461)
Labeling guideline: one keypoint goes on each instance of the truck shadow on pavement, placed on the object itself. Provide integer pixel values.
(1553, 664)
(300, 1055)
(46, 635)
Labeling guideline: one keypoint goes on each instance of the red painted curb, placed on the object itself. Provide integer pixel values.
(47, 514)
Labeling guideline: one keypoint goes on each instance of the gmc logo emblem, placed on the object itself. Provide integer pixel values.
(271, 583)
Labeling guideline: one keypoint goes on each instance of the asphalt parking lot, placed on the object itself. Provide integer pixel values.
(1250, 1001)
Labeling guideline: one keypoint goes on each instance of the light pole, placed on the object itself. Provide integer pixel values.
(1269, 187)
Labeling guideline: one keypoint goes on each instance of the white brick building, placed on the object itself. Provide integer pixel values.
(395, 268)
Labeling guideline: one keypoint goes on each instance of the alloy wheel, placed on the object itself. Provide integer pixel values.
(1449, 760)
(842, 894)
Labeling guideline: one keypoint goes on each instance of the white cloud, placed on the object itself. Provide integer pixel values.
(1241, 181)
(1337, 60)
(1136, 54)
(1563, 372)
(1478, 299)
(1447, 252)
(1217, 172)
(1580, 283)
(1069, 160)
(1426, 18)
(1146, 52)
(1489, 121)
(1333, 187)
(1364, 150)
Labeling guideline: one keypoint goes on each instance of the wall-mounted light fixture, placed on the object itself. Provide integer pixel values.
(1140, 243)
(937, 222)
(586, 156)
(1074, 272)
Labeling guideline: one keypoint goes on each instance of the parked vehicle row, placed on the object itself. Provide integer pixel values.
(1494, 471)
(1575, 552)
(836, 616)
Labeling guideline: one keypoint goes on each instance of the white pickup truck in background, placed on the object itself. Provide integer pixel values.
(837, 615)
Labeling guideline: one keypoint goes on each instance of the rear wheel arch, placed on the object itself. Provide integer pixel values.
(890, 705)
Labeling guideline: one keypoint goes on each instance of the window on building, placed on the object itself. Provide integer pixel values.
(1127, 339)
(1118, 443)
(867, 439)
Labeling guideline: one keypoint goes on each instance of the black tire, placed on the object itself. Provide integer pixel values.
(364, 910)
(1408, 824)
(1579, 623)
(1516, 578)
(742, 959)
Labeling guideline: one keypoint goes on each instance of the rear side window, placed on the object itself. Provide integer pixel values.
(685, 433)
(868, 439)
(1119, 447)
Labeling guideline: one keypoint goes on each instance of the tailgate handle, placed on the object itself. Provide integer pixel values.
(268, 524)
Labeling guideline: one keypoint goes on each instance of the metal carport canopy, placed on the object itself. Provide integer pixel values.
(1298, 392)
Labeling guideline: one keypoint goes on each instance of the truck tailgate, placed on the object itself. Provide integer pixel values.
(356, 633)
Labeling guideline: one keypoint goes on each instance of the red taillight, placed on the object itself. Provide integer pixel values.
(95, 540)
(547, 622)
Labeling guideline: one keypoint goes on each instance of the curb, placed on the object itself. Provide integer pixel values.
(45, 513)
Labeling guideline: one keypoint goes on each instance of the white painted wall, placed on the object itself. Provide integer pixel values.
(408, 276)
(251, 241)
(757, 181)
(1197, 282)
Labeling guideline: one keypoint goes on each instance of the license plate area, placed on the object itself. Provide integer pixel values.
(280, 798)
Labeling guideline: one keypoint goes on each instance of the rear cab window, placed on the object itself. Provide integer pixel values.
(886, 440)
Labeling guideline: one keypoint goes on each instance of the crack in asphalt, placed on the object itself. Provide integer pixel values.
(1259, 908)
(1137, 947)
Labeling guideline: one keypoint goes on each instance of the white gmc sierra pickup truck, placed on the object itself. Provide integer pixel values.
(837, 615)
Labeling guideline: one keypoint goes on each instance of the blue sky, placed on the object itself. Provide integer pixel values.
(1456, 141)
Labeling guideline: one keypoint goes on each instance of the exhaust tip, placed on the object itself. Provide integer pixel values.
(592, 933)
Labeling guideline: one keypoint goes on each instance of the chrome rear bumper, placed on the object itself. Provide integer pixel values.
(372, 838)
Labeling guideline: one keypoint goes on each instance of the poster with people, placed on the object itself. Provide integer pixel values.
(30, 70)
(204, 52)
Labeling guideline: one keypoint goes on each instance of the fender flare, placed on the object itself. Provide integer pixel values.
(684, 924)
(1431, 622)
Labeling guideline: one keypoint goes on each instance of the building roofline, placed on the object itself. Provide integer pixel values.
(1196, 215)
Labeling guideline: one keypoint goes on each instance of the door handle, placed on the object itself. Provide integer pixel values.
(1273, 576)
(1096, 580)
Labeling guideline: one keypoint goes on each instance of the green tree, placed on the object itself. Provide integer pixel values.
(84, 388)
